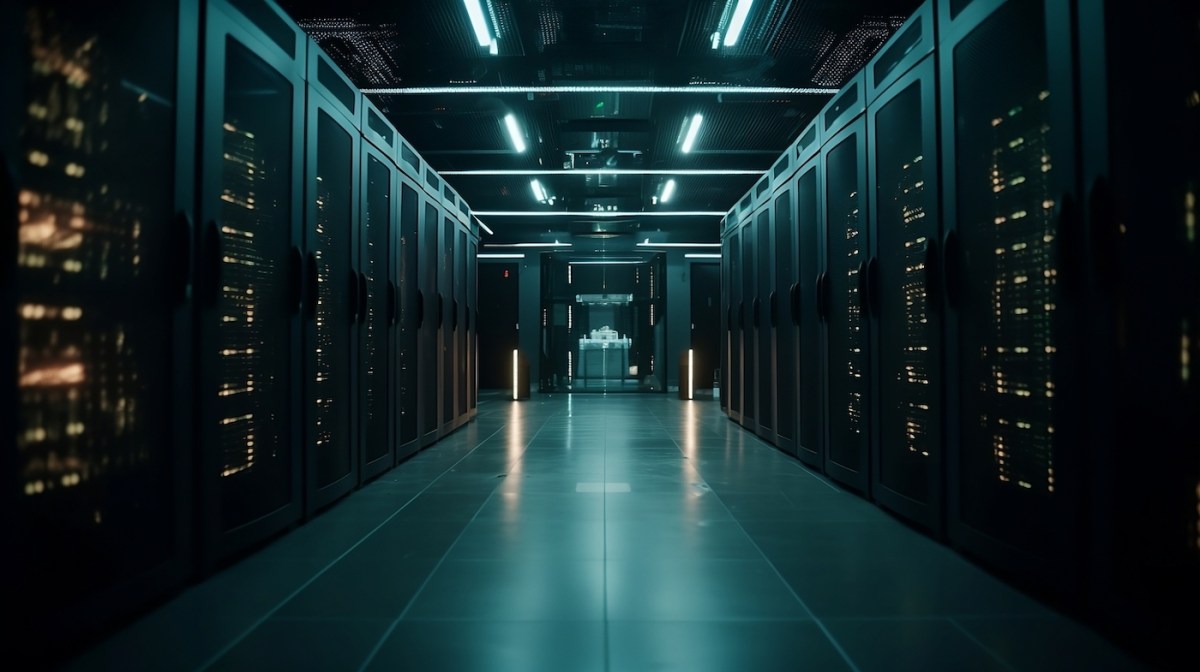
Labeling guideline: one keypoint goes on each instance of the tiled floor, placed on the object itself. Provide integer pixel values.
(624, 533)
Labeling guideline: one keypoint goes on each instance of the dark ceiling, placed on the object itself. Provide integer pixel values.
(785, 44)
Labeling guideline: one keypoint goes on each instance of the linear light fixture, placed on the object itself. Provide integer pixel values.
(482, 34)
(737, 22)
(598, 213)
(510, 255)
(691, 378)
(602, 171)
(514, 133)
(602, 263)
(647, 243)
(538, 192)
(554, 244)
(702, 88)
(514, 374)
(482, 225)
(667, 192)
(689, 140)
(701, 255)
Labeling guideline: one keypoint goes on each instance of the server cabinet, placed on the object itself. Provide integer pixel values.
(429, 366)
(248, 277)
(377, 330)
(336, 293)
(472, 323)
(1012, 253)
(749, 319)
(737, 320)
(459, 325)
(379, 413)
(848, 356)
(783, 324)
(1142, 65)
(96, 327)
(445, 321)
(903, 289)
(807, 301)
(408, 343)
(764, 266)
(726, 315)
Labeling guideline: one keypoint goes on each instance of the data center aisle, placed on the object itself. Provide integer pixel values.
(632, 532)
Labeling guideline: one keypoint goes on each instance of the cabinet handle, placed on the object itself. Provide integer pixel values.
(933, 277)
(364, 298)
(794, 302)
(952, 269)
(420, 309)
(310, 288)
(295, 280)
(181, 256)
(393, 309)
(212, 266)
(8, 225)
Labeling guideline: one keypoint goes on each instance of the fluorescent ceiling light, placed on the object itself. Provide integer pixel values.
(716, 39)
(602, 263)
(494, 47)
(690, 139)
(701, 255)
(700, 88)
(647, 243)
(554, 244)
(484, 226)
(478, 22)
(603, 171)
(598, 213)
(514, 133)
(667, 192)
(499, 255)
(737, 22)
(538, 192)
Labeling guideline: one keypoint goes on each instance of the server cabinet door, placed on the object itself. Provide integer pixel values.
(429, 391)
(460, 327)
(844, 159)
(376, 324)
(764, 325)
(472, 356)
(93, 274)
(248, 279)
(408, 344)
(737, 321)
(334, 304)
(905, 298)
(1144, 319)
(722, 383)
(1013, 250)
(446, 358)
(810, 427)
(784, 320)
(749, 324)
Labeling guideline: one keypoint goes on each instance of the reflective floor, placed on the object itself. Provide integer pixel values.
(624, 533)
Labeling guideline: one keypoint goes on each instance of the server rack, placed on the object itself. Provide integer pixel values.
(782, 319)
(378, 331)
(248, 287)
(808, 300)
(446, 343)
(733, 314)
(764, 333)
(843, 159)
(97, 320)
(335, 288)
(747, 319)
(903, 276)
(727, 322)
(409, 371)
(1138, 188)
(1012, 253)
(429, 246)
(472, 310)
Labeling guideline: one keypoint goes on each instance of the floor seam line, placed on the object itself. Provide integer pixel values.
(820, 625)
(321, 572)
(987, 649)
